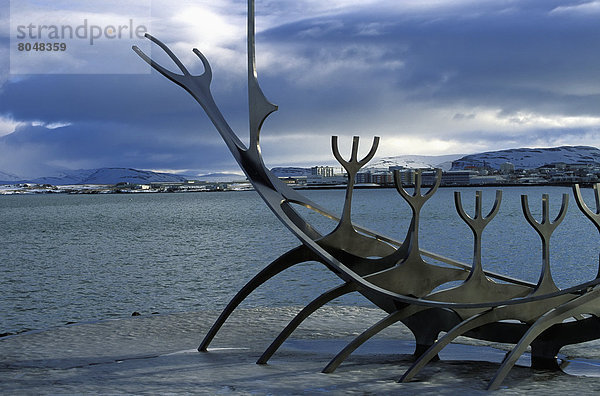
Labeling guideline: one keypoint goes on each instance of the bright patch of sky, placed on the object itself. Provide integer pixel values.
(7, 125)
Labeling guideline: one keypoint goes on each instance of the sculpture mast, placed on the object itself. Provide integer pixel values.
(259, 105)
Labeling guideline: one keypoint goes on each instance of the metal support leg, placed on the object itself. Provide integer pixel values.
(295, 256)
(299, 318)
(389, 320)
(588, 303)
(463, 327)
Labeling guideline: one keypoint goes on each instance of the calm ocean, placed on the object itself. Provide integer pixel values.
(74, 258)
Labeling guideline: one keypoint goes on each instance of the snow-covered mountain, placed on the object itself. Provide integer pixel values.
(530, 158)
(8, 177)
(407, 161)
(522, 158)
(221, 177)
(104, 176)
(443, 162)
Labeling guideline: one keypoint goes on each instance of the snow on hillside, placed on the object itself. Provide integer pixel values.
(65, 177)
(108, 176)
(407, 161)
(9, 178)
(523, 158)
(415, 161)
(221, 177)
(530, 158)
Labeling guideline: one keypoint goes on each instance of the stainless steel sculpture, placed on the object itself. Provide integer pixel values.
(394, 275)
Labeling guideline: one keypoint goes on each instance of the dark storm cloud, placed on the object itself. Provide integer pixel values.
(487, 74)
(39, 150)
(523, 56)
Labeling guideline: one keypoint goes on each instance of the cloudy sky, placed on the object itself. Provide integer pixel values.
(430, 77)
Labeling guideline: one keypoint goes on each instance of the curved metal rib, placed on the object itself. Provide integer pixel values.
(524, 312)
(295, 256)
(586, 304)
(476, 285)
(593, 216)
(389, 320)
(463, 327)
(302, 315)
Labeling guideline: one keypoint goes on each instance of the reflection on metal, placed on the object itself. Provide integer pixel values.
(394, 275)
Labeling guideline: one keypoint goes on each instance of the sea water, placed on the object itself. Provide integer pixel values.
(74, 258)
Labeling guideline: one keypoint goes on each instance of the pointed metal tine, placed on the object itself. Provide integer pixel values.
(207, 69)
(496, 206)
(168, 74)
(372, 152)
(527, 212)
(563, 210)
(478, 204)
(581, 203)
(353, 165)
(597, 196)
(459, 207)
(354, 155)
(545, 209)
(478, 218)
(168, 52)
(336, 152)
(545, 228)
(418, 178)
(577, 192)
(436, 184)
(593, 216)
(399, 187)
(142, 55)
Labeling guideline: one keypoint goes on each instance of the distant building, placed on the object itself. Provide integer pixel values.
(407, 176)
(363, 177)
(492, 179)
(382, 178)
(450, 178)
(507, 168)
(323, 181)
(324, 171)
(560, 165)
(428, 177)
(532, 180)
(457, 178)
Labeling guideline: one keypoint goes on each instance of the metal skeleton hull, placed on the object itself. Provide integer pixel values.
(394, 275)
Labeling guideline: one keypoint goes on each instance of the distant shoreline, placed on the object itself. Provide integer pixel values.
(359, 187)
(111, 189)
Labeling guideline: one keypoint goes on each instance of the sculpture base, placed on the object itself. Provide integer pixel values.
(156, 354)
(421, 349)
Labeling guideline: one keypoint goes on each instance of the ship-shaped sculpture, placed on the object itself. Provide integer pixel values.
(394, 275)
